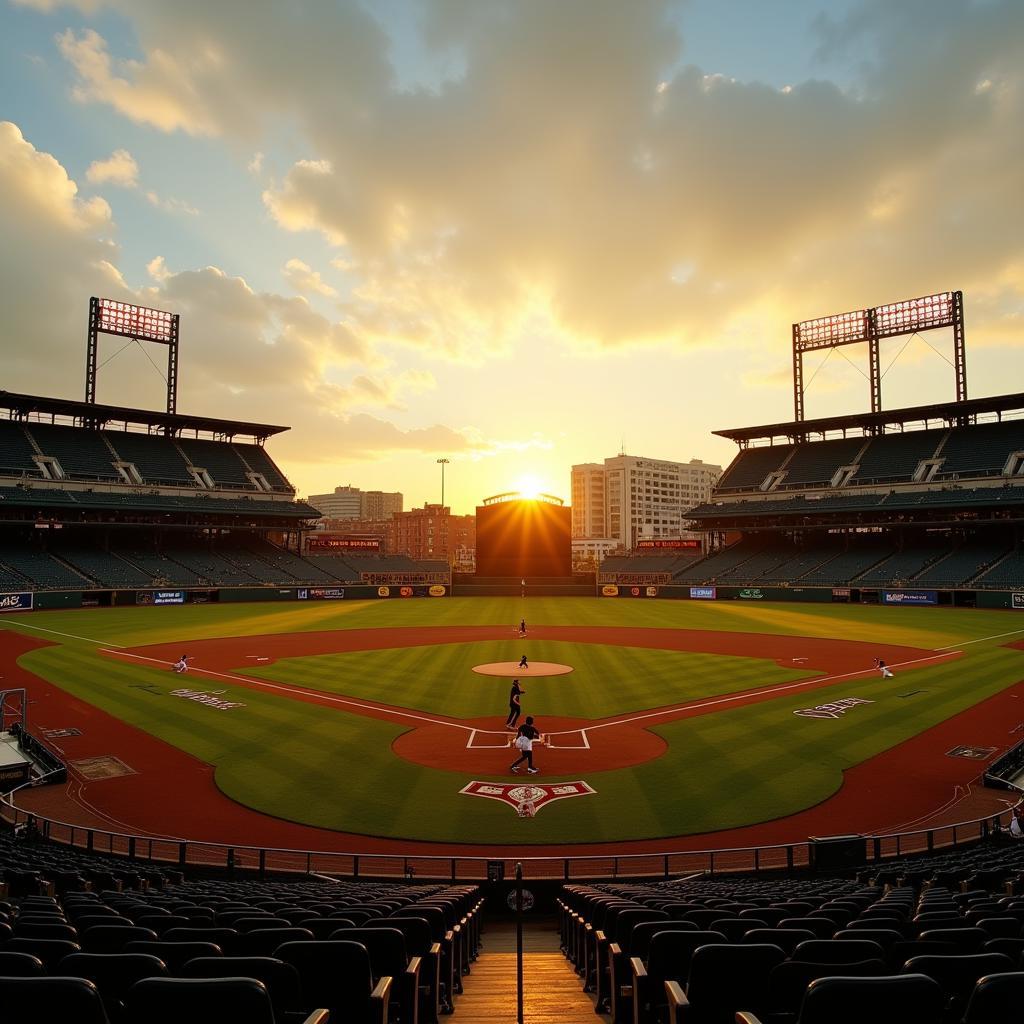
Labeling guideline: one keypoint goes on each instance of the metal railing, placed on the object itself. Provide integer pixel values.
(174, 852)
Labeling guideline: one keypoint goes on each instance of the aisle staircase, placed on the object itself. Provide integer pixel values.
(553, 994)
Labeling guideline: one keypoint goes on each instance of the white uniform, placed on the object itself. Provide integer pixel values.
(181, 665)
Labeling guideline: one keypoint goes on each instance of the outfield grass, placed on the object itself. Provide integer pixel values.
(329, 768)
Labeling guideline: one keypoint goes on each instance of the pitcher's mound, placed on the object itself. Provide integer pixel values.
(513, 671)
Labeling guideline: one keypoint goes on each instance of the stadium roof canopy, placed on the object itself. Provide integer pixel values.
(24, 407)
(949, 413)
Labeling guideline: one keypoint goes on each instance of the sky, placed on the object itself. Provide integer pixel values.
(516, 234)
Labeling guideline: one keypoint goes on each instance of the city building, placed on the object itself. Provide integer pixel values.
(630, 498)
(350, 502)
(433, 532)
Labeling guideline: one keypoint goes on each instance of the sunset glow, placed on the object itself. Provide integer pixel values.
(506, 234)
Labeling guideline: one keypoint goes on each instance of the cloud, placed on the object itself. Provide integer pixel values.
(119, 168)
(306, 280)
(247, 354)
(572, 157)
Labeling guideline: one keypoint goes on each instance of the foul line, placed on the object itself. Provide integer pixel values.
(981, 640)
(737, 697)
(248, 680)
(13, 628)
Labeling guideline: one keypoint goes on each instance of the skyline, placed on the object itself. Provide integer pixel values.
(517, 236)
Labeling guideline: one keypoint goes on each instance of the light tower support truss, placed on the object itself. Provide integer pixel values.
(870, 326)
(140, 323)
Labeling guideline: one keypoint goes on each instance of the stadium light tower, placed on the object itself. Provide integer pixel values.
(442, 463)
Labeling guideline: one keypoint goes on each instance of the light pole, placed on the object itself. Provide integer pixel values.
(442, 463)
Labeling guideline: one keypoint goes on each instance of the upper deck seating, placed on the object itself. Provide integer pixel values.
(219, 459)
(81, 453)
(980, 450)
(750, 467)
(157, 458)
(259, 461)
(893, 457)
(815, 463)
(16, 451)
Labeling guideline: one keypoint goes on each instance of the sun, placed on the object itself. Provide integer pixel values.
(529, 486)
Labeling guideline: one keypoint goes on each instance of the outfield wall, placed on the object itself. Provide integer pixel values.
(889, 596)
(42, 600)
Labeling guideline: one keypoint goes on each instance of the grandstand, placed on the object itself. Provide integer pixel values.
(922, 505)
(100, 504)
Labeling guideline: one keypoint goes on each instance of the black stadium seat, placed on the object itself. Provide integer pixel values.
(56, 999)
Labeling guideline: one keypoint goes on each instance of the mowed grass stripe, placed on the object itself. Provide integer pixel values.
(606, 680)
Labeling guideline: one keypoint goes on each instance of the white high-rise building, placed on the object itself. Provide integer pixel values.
(350, 502)
(631, 498)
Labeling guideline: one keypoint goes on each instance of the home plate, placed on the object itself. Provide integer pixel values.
(511, 669)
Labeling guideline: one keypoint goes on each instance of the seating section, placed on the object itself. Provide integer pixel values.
(849, 564)
(221, 461)
(901, 566)
(981, 450)
(82, 454)
(969, 560)
(718, 562)
(103, 567)
(893, 457)
(39, 569)
(158, 459)
(146, 945)
(16, 451)
(750, 467)
(924, 930)
(1009, 572)
(816, 464)
(259, 461)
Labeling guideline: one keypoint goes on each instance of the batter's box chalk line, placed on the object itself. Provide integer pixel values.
(497, 740)
(553, 740)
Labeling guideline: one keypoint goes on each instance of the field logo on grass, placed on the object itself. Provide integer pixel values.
(211, 698)
(834, 709)
(527, 799)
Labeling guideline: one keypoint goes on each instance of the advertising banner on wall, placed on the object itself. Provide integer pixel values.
(21, 602)
(324, 594)
(751, 594)
(703, 593)
(910, 597)
(326, 543)
(668, 544)
(160, 597)
(1017, 600)
(609, 590)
